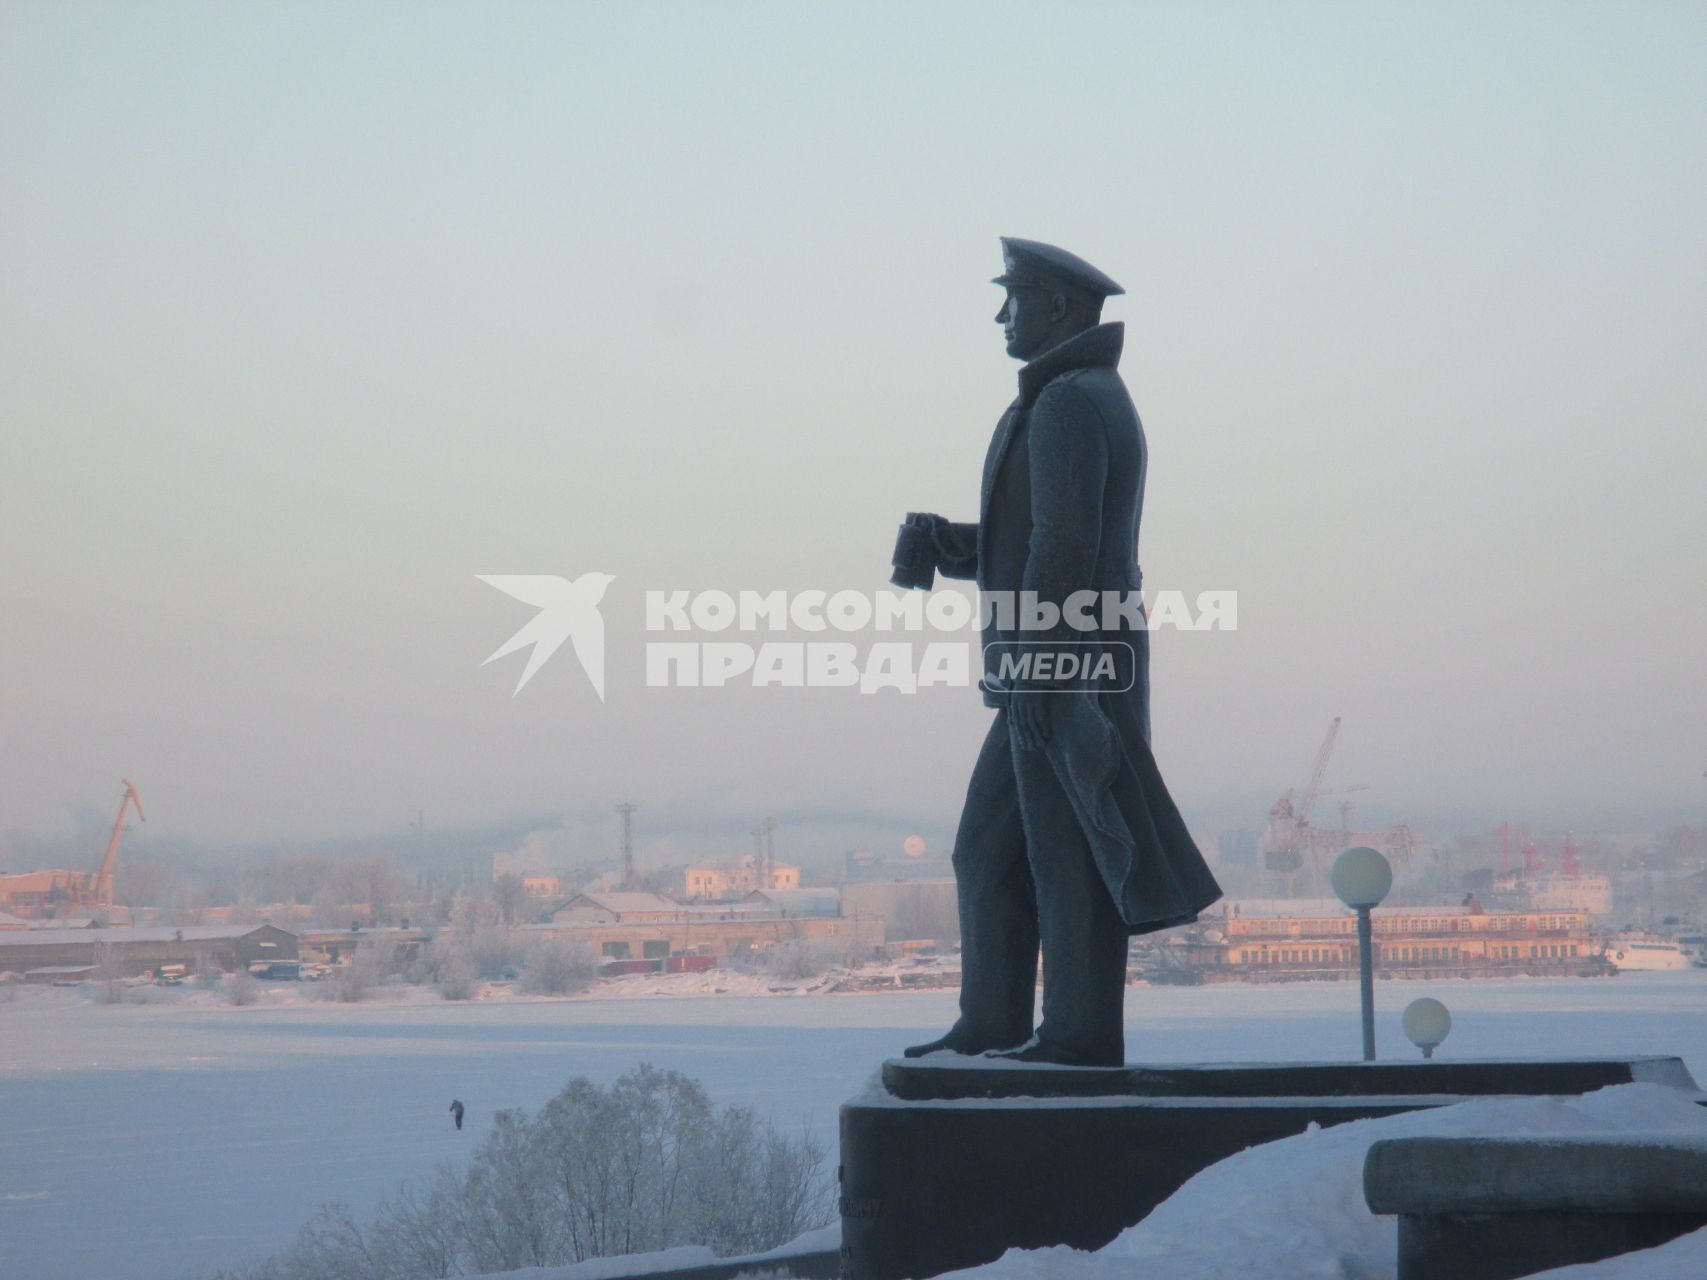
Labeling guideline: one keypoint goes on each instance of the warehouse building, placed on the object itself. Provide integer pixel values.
(145, 951)
(620, 906)
(649, 926)
(725, 937)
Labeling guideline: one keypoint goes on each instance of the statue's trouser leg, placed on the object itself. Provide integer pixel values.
(998, 913)
(1084, 938)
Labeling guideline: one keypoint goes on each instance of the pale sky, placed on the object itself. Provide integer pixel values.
(311, 312)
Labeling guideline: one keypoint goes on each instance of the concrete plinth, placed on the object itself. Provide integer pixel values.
(1493, 1208)
(953, 1161)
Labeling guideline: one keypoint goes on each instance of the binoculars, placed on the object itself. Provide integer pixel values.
(915, 555)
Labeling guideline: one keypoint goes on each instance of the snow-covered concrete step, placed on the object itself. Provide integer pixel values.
(949, 1162)
(1493, 1207)
(950, 1075)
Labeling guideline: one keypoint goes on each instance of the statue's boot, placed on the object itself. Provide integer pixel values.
(1059, 1055)
(956, 1041)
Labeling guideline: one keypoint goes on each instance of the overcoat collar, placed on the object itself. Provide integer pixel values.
(1096, 348)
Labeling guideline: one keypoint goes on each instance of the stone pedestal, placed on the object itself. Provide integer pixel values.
(1498, 1207)
(954, 1160)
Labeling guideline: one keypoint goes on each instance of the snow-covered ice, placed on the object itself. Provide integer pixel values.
(145, 1143)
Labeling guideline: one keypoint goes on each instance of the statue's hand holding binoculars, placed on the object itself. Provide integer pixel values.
(915, 558)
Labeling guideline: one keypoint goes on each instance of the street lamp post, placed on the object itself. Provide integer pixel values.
(1361, 878)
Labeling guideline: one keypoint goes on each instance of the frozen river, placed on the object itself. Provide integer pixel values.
(150, 1142)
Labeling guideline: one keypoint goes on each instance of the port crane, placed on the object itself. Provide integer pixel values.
(1291, 844)
(102, 893)
(1288, 825)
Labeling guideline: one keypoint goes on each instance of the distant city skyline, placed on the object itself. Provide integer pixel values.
(315, 312)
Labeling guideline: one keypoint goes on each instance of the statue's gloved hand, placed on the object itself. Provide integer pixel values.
(915, 558)
(1029, 715)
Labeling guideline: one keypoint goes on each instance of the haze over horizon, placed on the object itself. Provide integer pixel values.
(313, 313)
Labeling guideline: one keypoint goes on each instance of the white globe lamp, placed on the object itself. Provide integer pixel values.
(1427, 1022)
(1361, 877)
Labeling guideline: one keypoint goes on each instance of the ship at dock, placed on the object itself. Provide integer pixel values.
(1640, 951)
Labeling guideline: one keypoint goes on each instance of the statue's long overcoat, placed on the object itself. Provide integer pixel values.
(1062, 496)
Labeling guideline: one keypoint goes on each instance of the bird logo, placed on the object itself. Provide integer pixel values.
(567, 611)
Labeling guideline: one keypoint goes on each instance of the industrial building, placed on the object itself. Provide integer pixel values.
(547, 888)
(796, 902)
(709, 882)
(145, 951)
(334, 946)
(611, 908)
(648, 926)
(727, 939)
(36, 894)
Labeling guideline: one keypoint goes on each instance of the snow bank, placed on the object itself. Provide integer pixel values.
(823, 1240)
(1293, 1209)
(630, 1264)
(1685, 1256)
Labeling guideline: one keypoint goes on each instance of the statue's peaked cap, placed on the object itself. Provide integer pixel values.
(1031, 262)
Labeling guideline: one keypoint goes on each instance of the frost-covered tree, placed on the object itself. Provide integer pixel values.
(801, 958)
(354, 980)
(646, 1163)
(455, 977)
(495, 952)
(241, 987)
(472, 907)
(511, 899)
(554, 964)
